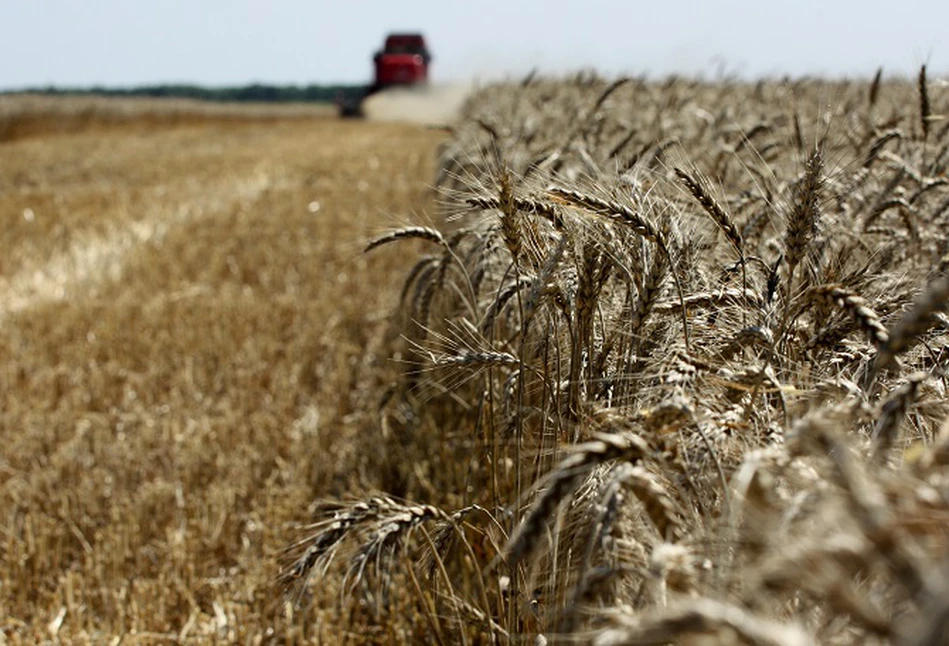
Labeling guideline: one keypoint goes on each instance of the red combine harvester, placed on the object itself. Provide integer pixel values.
(403, 62)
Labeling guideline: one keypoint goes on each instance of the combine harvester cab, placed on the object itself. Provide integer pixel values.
(403, 62)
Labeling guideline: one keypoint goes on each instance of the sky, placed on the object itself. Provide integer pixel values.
(234, 42)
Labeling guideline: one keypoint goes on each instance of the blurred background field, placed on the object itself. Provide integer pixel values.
(25, 115)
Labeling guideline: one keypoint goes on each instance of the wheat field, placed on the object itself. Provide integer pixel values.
(675, 373)
(609, 362)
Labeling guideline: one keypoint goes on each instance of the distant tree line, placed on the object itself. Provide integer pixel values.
(256, 92)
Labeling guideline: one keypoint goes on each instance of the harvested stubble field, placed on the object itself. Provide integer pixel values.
(187, 331)
(668, 366)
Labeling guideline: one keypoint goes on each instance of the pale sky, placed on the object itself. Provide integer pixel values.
(234, 42)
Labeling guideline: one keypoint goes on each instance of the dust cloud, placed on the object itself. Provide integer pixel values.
(438, 104)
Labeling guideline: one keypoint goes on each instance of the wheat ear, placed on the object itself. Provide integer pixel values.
(524, 204)
(892, 413)
(423, 233)
(914, 323)
(712, 208)
(563, 480)
(802, 222)
(874, 92)
(924, 107)
(868, 320)
(703, 616)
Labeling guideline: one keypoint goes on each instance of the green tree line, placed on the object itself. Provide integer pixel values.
(256, 92)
